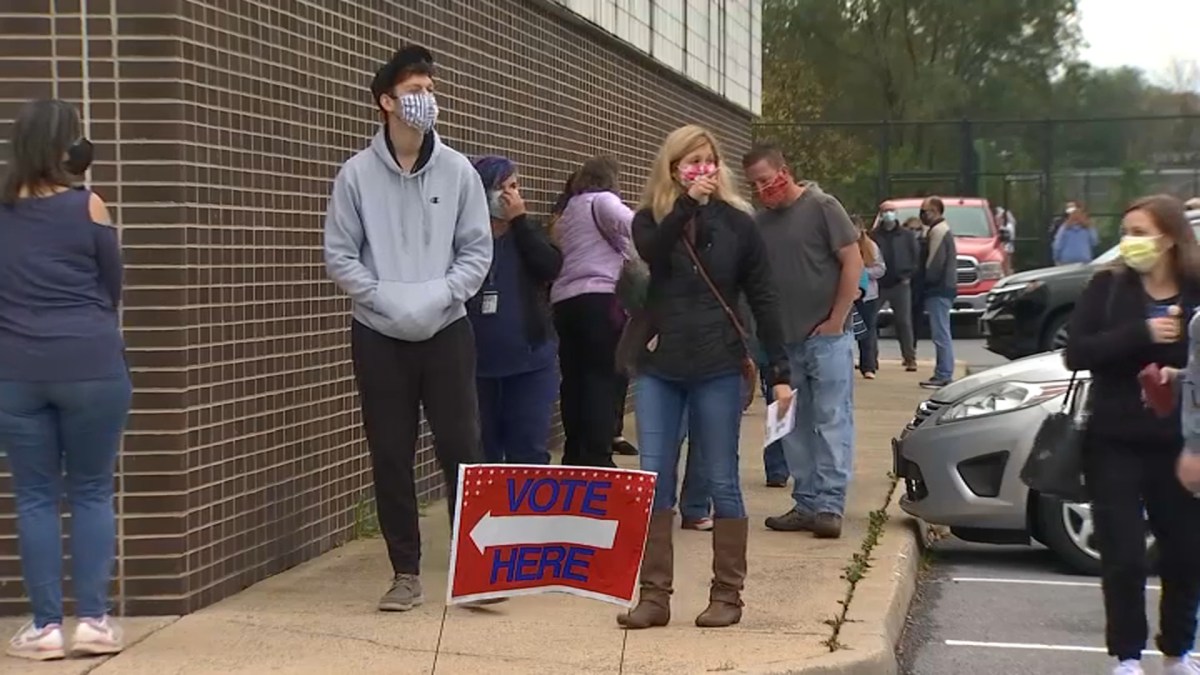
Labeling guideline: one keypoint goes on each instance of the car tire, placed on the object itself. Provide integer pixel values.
(1063, 526)
(1055, 335)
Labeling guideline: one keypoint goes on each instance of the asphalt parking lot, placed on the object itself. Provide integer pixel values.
(1007, 609)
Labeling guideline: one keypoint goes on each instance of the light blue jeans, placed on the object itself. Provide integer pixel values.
(938, 310)
(714, 418)
(63, 437)
(694, 503)
(820, 450)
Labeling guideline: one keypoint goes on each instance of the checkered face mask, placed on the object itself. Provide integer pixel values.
(418, 110)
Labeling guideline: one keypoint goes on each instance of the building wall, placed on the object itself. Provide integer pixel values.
(219, 126)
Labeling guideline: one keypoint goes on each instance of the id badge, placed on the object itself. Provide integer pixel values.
(491, 302)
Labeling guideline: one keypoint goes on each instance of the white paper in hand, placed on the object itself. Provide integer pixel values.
(778, 428)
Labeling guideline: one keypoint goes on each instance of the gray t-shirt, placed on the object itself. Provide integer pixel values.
(803, 241)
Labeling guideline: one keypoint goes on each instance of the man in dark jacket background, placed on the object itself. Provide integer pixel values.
(939, 256)
(902, 255)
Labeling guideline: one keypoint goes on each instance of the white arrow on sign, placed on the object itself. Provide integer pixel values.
(511, 530)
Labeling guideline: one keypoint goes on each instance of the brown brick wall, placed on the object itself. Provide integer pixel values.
(219, 126)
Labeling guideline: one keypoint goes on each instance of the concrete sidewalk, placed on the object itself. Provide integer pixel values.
(320, 617)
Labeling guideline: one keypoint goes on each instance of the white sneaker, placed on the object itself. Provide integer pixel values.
(44, 644)
(96, 637)
(1184, 666)
(1128, 668)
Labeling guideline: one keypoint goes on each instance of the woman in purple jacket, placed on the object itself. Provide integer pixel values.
(593, 234)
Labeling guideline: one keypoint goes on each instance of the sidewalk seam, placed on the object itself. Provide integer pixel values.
(860, 565)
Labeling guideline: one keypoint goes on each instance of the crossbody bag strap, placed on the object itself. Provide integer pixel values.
(737, 324)
(602, 233)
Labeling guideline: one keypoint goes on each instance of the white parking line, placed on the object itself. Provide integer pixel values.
(1038, 582)
(1033, 646)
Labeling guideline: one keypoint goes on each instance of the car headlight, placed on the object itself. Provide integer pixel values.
(1013, 291)
(1003, 397)
(991, 270)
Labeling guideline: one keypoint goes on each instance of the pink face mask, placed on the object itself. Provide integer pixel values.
(690, 172)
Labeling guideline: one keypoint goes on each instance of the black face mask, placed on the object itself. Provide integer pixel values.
(79, 157)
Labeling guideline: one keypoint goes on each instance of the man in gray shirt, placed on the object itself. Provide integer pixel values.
(815, 259)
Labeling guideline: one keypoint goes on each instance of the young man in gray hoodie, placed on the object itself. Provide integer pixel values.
(408, 237)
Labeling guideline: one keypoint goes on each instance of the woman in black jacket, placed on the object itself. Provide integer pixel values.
(516, 370)
(1128, 317)
(692, 359)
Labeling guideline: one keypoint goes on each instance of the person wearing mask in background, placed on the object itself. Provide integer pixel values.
(593, 233)
(516, 349)
(1076, 239)
(816, 261)
(65, 391)
(1129, 316)
(699, 240)
(939, 287)
(916, 295)
(408, 237)
(868, 307)
(1057, 222)
(900, 254)
(1008, 225)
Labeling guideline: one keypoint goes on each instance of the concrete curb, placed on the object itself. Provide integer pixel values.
(879, 609)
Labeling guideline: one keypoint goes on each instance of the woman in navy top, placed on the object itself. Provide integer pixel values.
(64, 387)
(515, 344)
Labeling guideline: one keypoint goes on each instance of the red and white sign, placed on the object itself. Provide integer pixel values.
(523, 529)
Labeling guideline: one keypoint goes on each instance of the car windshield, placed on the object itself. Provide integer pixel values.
(965, 221)
(1113, 253)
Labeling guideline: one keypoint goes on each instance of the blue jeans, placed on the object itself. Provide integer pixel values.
(694, 503)
(714, 410)
(938, 310)
(820, 450)
(49, 429)
(774, 460)
(514, 416)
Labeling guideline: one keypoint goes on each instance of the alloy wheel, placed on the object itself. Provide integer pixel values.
(1081, 528)
(1059, 341)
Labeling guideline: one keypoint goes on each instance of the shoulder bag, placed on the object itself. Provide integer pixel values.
(633, 282)
(1055, 463)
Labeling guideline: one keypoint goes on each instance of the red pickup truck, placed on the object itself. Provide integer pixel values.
(982, 256)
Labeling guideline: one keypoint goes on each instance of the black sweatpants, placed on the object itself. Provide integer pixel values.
(1124, 478)
(396, 380)
(587, 346)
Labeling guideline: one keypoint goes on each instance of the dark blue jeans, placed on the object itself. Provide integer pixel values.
(714, 409)
(63, 437)
(514, 416)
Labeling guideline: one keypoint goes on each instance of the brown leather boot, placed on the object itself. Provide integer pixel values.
(658, 570)
(729, 574)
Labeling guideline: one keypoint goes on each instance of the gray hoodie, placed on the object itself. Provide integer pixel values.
(409, 248)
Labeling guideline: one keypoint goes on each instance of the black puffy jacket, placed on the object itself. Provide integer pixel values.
(696, 339)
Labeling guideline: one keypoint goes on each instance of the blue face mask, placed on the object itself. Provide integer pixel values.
(495, 204)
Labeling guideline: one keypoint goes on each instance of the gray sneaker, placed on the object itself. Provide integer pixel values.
(792, 521)
(404, 594)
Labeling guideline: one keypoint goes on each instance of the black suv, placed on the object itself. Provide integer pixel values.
(1027, 313)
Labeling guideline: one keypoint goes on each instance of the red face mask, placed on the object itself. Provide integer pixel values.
(775, 193)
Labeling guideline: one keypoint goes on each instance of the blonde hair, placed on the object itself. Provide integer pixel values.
(661, 187)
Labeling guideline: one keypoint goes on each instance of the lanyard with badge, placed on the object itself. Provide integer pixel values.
(490, 298)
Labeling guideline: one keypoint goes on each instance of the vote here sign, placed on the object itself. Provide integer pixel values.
(524, 529)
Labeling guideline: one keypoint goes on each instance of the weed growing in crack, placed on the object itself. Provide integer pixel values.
(857, 568)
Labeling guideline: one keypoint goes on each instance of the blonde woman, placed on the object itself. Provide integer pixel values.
(703, 249)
